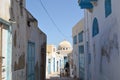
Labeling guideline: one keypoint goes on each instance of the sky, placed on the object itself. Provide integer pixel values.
(64, 13)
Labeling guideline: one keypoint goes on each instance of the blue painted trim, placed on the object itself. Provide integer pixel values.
(80, 37)
(9, 54)
(33, 72)
(81, 58)
(86, 4)
(9, 50)
(4, 22)
(49, 66)
(95, 27)
(108, 9)
(75, 39)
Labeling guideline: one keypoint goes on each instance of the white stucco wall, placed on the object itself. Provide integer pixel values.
(104, 67)
(79, 27)
(4, 9)
(11, 10)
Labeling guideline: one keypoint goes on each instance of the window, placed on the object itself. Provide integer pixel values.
(80, 36)
(54, 49)
(81, 49)
(95, 29)
(108, 9)
(75, 39)
(85, 4)
(89, 58)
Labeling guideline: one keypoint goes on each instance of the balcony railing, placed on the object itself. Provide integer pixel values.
(86, 4)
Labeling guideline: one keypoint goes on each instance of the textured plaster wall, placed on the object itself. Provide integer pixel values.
(34, 34)
(14, 10)
(75, 31)
(104, 47)
(4, 9)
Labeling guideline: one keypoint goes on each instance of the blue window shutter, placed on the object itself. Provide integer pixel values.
(95, 29)
(81, 49)
(80, 37)
(108, 9)
(75, 40)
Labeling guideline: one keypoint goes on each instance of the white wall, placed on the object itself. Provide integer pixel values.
(10, 9)
(75, 31)
(107, 42)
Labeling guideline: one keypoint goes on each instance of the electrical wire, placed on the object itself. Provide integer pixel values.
(55, 25)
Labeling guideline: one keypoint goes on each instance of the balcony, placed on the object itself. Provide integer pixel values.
(86, 4)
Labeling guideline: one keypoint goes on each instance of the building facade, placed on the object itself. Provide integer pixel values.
(78, 50)
(64, 49)
(51, 60)
(102, 29)
(56, 58)
(22, 43)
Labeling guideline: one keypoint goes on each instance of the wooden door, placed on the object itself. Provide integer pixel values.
(31, 61)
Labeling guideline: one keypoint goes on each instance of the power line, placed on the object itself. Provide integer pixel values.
(55, 25)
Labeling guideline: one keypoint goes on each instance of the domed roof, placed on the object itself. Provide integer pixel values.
(64, 44)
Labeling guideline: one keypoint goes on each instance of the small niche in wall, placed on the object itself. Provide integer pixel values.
(28, 23)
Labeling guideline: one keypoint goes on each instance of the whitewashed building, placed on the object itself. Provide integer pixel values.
(102, 39)
(78, 50)
(22, 43)
(56, 58)
(52, 58)
(64, 49)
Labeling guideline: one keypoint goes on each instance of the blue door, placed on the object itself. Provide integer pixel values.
(49, 66)
(81, 62)
(65, 60)
(31, 61)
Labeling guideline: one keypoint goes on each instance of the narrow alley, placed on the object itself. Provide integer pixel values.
(59, 40)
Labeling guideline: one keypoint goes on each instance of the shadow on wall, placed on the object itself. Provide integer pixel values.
(109, 45)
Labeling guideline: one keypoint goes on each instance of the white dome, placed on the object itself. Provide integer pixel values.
(64, 45)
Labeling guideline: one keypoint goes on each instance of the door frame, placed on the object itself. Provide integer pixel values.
(9, 49)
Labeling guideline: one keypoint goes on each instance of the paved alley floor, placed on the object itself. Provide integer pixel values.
(57, 77)
(61, 78)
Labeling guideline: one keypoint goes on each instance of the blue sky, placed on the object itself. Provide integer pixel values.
(65, 13)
